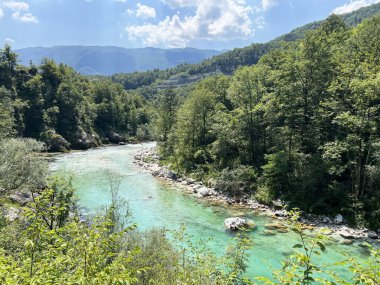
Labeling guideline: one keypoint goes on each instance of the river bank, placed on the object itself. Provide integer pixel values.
(148, 161)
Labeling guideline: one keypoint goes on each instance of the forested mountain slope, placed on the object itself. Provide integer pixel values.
(228, 61)
(98, 60)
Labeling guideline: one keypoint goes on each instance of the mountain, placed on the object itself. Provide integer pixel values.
(227, 62)
(96, 60)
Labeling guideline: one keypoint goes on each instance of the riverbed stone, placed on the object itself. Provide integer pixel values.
(326, 220)
(346, 234)
(281, 213)
(171, 175)
(347, 241)
(235, 223)
(114, 137)
(282, 230)
(372, 235)
(273, 226)
(269, 233)
(277, 204)
(204, 191)
(338, 219)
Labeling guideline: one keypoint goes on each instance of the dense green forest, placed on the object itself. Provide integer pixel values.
(301, 125)
(57, 105)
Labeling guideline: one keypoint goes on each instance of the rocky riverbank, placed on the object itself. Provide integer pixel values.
(148, 160)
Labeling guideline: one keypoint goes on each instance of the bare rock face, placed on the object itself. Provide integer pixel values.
(235, 223)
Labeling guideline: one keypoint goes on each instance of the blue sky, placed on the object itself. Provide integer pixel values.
(212, 24)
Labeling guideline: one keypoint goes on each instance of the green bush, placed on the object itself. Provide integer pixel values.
(238, 181)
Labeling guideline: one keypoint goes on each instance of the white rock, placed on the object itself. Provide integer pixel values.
(338, 219)
(372, 235)
(12, 214)
(204, 191)
(326, 220)
(235, 223)
(196, 187)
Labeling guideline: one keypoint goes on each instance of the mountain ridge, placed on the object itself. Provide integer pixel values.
(107, 60)
(227, 62)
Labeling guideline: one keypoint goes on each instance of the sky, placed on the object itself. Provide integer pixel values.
(206, 24)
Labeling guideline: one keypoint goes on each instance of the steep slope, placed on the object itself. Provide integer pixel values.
(109, 60)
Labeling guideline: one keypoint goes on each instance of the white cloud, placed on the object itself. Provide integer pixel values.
(354, 5)
(214, 20)
(267, 4)
(9, 41)
(1, 13)
(26, 18)
(180, 3)
(20, 10)
(144, 11)
(16, 6)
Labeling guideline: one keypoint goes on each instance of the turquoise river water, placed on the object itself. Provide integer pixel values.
(155, 203)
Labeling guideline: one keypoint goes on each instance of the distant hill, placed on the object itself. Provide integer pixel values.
(227, 62)
(96, 60)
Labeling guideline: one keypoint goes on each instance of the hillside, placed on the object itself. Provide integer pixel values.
(227, 62)
(98, 60)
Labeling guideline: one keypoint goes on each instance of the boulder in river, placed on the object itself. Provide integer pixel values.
(372, 235)
(347, 242)
(269, 233)
(282, 230)
(338, 219)
(274, 226)
(114, 137)
(236, 223)
(55, 142)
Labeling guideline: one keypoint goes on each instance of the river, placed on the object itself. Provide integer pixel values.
(155, 203)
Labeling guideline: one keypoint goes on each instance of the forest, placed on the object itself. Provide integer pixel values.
(301, 125)
(57, 105)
